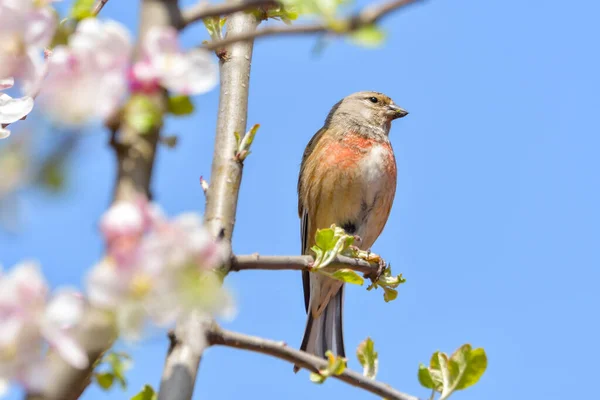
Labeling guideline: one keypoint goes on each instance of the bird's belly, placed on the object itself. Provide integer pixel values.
(363, 190)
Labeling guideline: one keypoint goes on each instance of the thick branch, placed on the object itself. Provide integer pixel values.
(301, 263)
(135, 158)
(203, 10)
(218, 336)
(182, 361)
(368, 16)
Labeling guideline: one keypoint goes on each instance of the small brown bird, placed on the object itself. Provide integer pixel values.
(347, 178)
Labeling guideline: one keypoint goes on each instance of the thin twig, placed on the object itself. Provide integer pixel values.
(203, 10)
(99, 6)
(366, 17)
(300, 263)
(183, 359)
(218, 336)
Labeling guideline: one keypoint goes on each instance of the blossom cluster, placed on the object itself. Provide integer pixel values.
(156, 269)
(88, 78)
(31, 321)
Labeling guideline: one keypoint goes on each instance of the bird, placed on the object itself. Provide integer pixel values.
(347, 178)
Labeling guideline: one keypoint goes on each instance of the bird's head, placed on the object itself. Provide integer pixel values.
(367, 109)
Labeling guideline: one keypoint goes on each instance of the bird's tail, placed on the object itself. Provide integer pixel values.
(325, 332)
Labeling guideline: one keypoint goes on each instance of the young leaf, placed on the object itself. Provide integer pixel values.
(317, 378)
(368, 358)
(105, 380)
(368, 36)
(348, 276)
(388, 282)
(142, 114)
(335, 366)
(459, 371)
(180, 105)
(475, 362)
(118, 364)
(324, 238)
(82, 9)
(389, 294)
(147, 393)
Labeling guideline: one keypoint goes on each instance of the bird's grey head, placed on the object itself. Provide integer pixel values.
(366, 109)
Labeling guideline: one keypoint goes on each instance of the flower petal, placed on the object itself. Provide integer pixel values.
(161, 40)
(7, 83)
(12, 110)
(40, 27)
(65, 309)
(66, 346)
(190, 74)
(4, 133)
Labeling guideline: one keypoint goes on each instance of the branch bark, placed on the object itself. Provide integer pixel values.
(301, 263)
(99, 6)
(135, 158)
(218, 336)
(182, 362)
(368, 16)
(203, 10)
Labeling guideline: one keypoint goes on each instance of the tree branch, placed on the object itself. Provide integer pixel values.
(301, 263)
(203, 10)
(218, 336)
(181, 365)
(99, 6)
(135, 152)
(368, 16)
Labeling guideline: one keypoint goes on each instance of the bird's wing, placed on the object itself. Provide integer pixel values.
(303, 212)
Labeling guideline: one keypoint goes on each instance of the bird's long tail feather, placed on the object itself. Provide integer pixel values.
(325, 332)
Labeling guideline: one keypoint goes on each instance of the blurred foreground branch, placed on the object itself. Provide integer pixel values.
(369, 16)
(135, 153)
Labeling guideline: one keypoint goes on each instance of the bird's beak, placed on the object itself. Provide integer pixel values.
(397, 112)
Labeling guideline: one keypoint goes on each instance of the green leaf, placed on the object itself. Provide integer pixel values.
(389, 294)
(336, 365)
(461, 370)
(118, 364)
(425, 378)
(214, 26)
(105, 380)
(180, 105)
(348, 276)
(82, 9)
(368, 358)
(283, 13)
(244, 143)
(52, 175)
(368, 36)
(388, 282)
(142, 114)
(324, 239)
(475, 362)
(317, 378)
(147, 393)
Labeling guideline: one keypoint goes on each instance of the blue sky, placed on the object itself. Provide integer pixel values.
(496, 224)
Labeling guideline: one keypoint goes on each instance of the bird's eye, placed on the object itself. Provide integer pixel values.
(373, 99)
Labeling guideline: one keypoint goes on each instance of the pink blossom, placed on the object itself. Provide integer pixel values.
(11, 109)
(164, 63)
(30, 320)
(86, 79)
(156, 269)
(26, 28)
